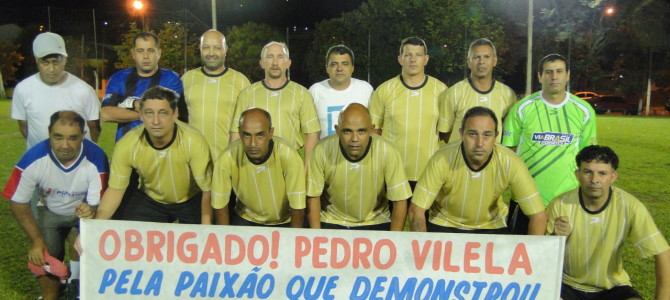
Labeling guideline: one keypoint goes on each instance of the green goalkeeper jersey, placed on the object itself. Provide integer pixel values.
(548, 137)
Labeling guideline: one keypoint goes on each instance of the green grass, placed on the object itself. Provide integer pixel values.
(640, 142)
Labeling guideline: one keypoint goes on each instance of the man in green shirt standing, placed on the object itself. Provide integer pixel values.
(547, 129)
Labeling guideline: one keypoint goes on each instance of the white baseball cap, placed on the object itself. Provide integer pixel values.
(48, 43)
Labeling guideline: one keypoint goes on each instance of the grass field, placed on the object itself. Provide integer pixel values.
(641, 143)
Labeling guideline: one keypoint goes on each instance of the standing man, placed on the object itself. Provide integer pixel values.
(211, 92)
(357, 175)
(480, 89)
(547, 129)
(290, 104)
(597, 218)
(69, 174)
(405, 108)
(463, 183)
(173, 163)
(339, 90)
(120, 104)
(266, 174)
(52, 89)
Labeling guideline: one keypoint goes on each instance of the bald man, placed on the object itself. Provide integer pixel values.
(265, 173)
(352, 177)
(211, 92)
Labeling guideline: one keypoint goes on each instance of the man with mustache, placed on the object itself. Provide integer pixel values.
(547, 129)
(356, 174)
(211, 92)
(173, 163)
(290, 104)
(265, 173)
(597, 218)
(405, 108)
(124, 89)
(479, 89)
(463, 183)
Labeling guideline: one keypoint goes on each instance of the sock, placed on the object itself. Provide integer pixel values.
(74, 271)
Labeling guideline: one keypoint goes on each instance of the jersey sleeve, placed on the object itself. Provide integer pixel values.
(201, 163)
(121, 166)
(397, 186)
(644, 235)
(309, 121)
(512, 128)
(115, 91)
(524, 191)
(377, 108)
(221, 181)
(18, 108)
(316, 171)
(430, 182)
(588, 136)
(294, 175)
(20, 186)
(447, 110)
(239, 108)
(553, 212)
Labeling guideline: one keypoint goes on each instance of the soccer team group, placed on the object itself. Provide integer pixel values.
(212, 148)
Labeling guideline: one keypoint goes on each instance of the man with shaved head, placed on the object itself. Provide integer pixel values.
(265, 173)
(289, 103)
(352, 177)
(211, 92)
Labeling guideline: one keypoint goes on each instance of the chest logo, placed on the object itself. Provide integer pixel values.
(553, 138)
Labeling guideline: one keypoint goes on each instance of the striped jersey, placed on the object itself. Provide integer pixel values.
(460, 197)
(172, 174)
(408, 118)
(291, 107)
(61, 188)
(357, 192)
(548, 137)
(459, 98)
(594, 250)
(264, 191)
(211, 103)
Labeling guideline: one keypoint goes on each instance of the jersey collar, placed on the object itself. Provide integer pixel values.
(271, 147)
(594, 212)
(74, 165)
(425, 80)
(202, 69)
(565, 100)
(351, 160)
(493, 84)
(486, 163)
(272, 89)
(174, 137)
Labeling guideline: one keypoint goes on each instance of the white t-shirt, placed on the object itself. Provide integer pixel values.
(35, 102)
(329, 101)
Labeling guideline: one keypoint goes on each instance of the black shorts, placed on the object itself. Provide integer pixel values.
(430, 227)
(380, 227)
(621, 292)
(142, 208)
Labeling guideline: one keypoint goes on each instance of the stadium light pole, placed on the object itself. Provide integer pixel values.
(139, 8)
(214, 14)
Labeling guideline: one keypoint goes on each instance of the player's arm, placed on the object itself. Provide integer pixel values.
(310, 141)
(314, 212)
(221, 215)
(297, 217)
(417, 218)
(23, 128)
(663, 275)
(109, 203)
(537, 223)
(118, 114)
(206, 208)
(94, 128)
(398, 215)
(23, 215)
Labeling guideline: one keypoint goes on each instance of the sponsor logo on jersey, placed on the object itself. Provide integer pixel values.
(553, 138)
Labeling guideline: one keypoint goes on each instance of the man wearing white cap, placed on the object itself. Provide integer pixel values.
(50, 90)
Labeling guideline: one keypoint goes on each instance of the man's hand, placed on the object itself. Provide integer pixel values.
(562, 226)
(129, 103)
(84, 211)
(36, 253)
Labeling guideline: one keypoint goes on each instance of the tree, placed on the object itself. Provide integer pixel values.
(10, 61)
(447, 26)
(244, 47)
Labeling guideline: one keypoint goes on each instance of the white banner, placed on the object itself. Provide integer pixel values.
(141, 260)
